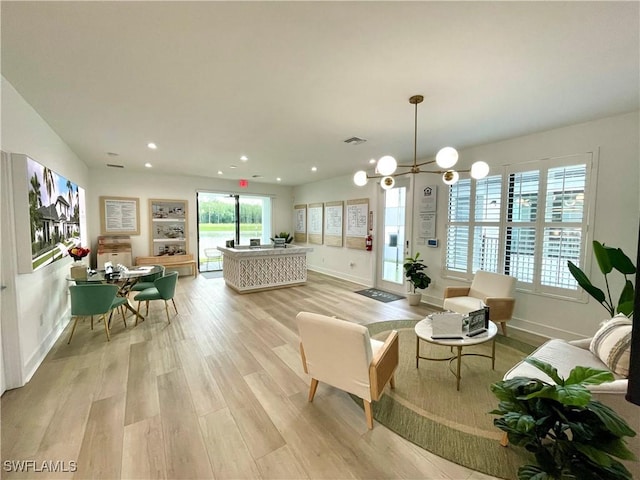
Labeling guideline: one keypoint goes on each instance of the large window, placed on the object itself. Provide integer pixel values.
(525, 222)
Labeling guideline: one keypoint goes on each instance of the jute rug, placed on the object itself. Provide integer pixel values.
(426, 409)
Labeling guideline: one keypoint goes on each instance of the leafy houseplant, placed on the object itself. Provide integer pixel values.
(570, 435)
(288, 238)
(414, 273)
(608, 259)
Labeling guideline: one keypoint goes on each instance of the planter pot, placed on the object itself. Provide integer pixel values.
(414, 298)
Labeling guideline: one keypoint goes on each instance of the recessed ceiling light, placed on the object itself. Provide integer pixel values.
(244, 158)
(314, 169)
(233, 166)
(152, 145)
(372, 161)
(112, 154)
(278, 179)
(219, 172)
(148, 165)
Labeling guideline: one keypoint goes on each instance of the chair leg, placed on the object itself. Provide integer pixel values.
(138, 309)
(91, 322)
(312, 389)
(124, 319)
(166, 309)
(504, 441)
(368, 413)
(174, 306)
(147, 307)
(504, 328)
(106, 327)
(73, 329)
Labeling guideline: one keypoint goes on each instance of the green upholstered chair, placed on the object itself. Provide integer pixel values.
(164, 289)
(147, 281)
(88, 300)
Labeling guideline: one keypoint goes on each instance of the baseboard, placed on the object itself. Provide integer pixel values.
(34, 361)
(342, 276)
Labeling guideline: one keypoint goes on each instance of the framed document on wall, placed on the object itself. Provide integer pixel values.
(357, 220)
(300, 223)
(119, 216)
(333, 226)
(314, 216)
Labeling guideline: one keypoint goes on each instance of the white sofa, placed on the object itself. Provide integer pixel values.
(565, 356)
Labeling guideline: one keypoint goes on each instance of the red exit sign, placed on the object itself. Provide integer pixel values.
(243, 183)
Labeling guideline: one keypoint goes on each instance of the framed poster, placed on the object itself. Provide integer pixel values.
(314, 214)
(333, 226)
(357, 223)
(119, 216)
(300, 223)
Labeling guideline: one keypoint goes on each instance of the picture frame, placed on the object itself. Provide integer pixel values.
(119, 215)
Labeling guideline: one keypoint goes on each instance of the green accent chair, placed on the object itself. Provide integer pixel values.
(88, 300)
(164, 289)
(147, 281)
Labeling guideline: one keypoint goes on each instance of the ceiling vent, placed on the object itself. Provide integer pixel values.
(113, 165)
(355, 140)
(256, 176)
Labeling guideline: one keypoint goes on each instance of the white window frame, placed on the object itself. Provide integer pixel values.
(590, 160)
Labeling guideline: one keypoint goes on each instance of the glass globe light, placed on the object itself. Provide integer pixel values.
(386, 165)
(360, 178)
(447, 157)
(479, 170)
(450, 177)
(387, 183)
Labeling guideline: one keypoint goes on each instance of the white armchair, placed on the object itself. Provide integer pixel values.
(493, 289)
(341, 354)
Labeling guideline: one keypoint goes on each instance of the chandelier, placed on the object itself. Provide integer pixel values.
(446, 158)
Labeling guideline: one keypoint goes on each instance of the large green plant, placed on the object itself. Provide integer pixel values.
(608, 259)
(571, 435)
(414, 272)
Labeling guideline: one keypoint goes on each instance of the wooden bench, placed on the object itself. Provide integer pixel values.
(170, 261)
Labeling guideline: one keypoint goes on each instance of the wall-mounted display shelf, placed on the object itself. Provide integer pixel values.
(169, 228)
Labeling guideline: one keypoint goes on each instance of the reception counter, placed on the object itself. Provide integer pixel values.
(248, 269)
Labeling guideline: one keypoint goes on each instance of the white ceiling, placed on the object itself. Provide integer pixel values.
(285, 83)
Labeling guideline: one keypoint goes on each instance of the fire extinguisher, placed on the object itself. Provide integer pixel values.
(369, 242)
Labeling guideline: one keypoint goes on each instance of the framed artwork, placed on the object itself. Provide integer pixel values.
(333, 227)
(54, 209)
(357, 223)
(169, 227)
(119, 216)
(300, 223)
(314, 214)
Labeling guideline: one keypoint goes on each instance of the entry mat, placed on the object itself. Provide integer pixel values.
(380, 295)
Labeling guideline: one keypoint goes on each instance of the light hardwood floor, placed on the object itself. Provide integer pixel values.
(219, 393)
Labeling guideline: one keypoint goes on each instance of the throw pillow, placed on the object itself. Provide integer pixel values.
(612, 345)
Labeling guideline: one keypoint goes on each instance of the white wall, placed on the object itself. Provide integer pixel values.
(145, 185)
(41, 297)
(348, 263)
(616, 216)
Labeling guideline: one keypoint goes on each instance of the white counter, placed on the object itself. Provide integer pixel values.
(247, 269)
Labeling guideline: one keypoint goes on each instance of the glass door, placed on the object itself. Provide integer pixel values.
(223, 217)
(392, 243)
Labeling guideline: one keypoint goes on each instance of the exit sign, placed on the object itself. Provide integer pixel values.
(243, 183)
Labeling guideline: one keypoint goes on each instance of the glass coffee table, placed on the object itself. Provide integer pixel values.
(424, 332)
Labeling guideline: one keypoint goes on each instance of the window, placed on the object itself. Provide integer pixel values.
(525, 222)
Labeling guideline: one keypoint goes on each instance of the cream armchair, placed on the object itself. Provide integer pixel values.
(493, 289)
(341, 354)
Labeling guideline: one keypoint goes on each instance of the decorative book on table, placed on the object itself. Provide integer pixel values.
(447, 325)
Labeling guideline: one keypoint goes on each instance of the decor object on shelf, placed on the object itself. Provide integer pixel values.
(446, 158)
(608, 258)
(413, 272)
(570, 434)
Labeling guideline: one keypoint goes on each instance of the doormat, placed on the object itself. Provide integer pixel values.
(380, 295)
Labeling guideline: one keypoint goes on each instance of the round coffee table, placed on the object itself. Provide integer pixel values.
(424, 331)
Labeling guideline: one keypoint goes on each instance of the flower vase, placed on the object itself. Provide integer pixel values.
(78, 270)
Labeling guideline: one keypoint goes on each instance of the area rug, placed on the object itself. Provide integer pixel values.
(426, 409)
(380, 295)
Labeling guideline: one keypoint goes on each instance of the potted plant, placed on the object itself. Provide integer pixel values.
(287, 237)
(608, 259)
(570, 435)
(419, 280)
